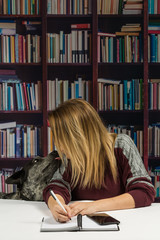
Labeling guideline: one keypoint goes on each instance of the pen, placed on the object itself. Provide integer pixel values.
(57, 200)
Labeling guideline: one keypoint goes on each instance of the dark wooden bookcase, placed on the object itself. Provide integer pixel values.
(43, 71)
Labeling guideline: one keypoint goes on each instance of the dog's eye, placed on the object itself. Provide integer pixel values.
(35, 160)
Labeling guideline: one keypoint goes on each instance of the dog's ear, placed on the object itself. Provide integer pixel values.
(15, 178)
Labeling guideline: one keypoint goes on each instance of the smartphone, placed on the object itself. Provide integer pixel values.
(103, 219)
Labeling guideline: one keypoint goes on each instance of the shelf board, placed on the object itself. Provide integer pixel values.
(157, 200)
(69, 16)
(21, 64)
(69, 64)
(154, 158)
(121, 64)
(6, 16)
(16, 159)
(22, 112)
(120, 16)
(121, 111)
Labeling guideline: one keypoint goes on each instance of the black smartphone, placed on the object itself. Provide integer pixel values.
(103, 219)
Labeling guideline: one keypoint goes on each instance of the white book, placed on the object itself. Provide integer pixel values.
(5, 125)
(108, 81)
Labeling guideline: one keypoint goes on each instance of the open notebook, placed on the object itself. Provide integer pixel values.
(77, 223)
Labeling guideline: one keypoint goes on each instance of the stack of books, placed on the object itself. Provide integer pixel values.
(133, 7)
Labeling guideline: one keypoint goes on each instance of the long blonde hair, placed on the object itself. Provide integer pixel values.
(78, 129)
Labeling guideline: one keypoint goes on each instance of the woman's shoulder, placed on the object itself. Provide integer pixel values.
(124, 142)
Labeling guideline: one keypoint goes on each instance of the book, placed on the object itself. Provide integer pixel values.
(77, 223)
(4, 125)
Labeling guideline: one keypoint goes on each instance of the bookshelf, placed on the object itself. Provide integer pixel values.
(91, 70)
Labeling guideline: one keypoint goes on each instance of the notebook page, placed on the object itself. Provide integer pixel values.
(50, 224)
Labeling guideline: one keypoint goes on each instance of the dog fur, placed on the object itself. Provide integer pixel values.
(33, 178)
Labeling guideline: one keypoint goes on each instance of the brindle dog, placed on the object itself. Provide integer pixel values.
(33, 178)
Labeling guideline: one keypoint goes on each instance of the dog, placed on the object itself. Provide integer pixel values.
(33, 178)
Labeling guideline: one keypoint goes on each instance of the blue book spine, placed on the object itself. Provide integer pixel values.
(26, 7)
(18, 142)
(33, 94)
(133, 100)
(6, 96)
(16, 48)
(149, 6)
(18, 97)
(152, 7)
(125, 94)
(49, 9)
(9, 7)
(22, 131)
(130, 96)
(156, 48)
(140, 48)
(135, 138)
(76, 89)
(28, 141)
(29, 96)
(20, 94)
(69, 92)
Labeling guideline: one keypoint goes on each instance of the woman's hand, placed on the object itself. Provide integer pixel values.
(82, 208)
(57, 212)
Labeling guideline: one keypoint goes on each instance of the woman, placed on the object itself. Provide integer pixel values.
(97, 165)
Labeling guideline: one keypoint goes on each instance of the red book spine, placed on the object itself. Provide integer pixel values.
(25, 95)
(158, 7)
(153, 31)
(80, 26)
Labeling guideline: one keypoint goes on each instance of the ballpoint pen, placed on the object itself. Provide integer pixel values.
(57, 200)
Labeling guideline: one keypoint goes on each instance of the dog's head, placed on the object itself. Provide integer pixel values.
(35, 175)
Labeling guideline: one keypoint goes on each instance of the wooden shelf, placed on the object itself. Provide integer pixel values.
(69, 16)
(6, 16)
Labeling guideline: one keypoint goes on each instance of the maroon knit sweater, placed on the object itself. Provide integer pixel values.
(132, 178)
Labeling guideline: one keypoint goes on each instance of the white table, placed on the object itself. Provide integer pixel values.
(21, 220)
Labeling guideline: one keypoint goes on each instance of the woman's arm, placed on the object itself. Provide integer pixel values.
(124, 201)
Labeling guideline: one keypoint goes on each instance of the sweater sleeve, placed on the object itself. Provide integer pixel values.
(60, 184)
(133, 173)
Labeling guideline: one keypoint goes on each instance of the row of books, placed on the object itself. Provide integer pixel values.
(69, 7)
(154, 140)
(59, 91)
(119, 49)
(4, 174)
(119, 6)
(20, 141)
(120, 95)
(20, 49)
(154, 6)
(155, 176)
(154, 94)
(74, 47)
(20, 96)
(16, 7)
